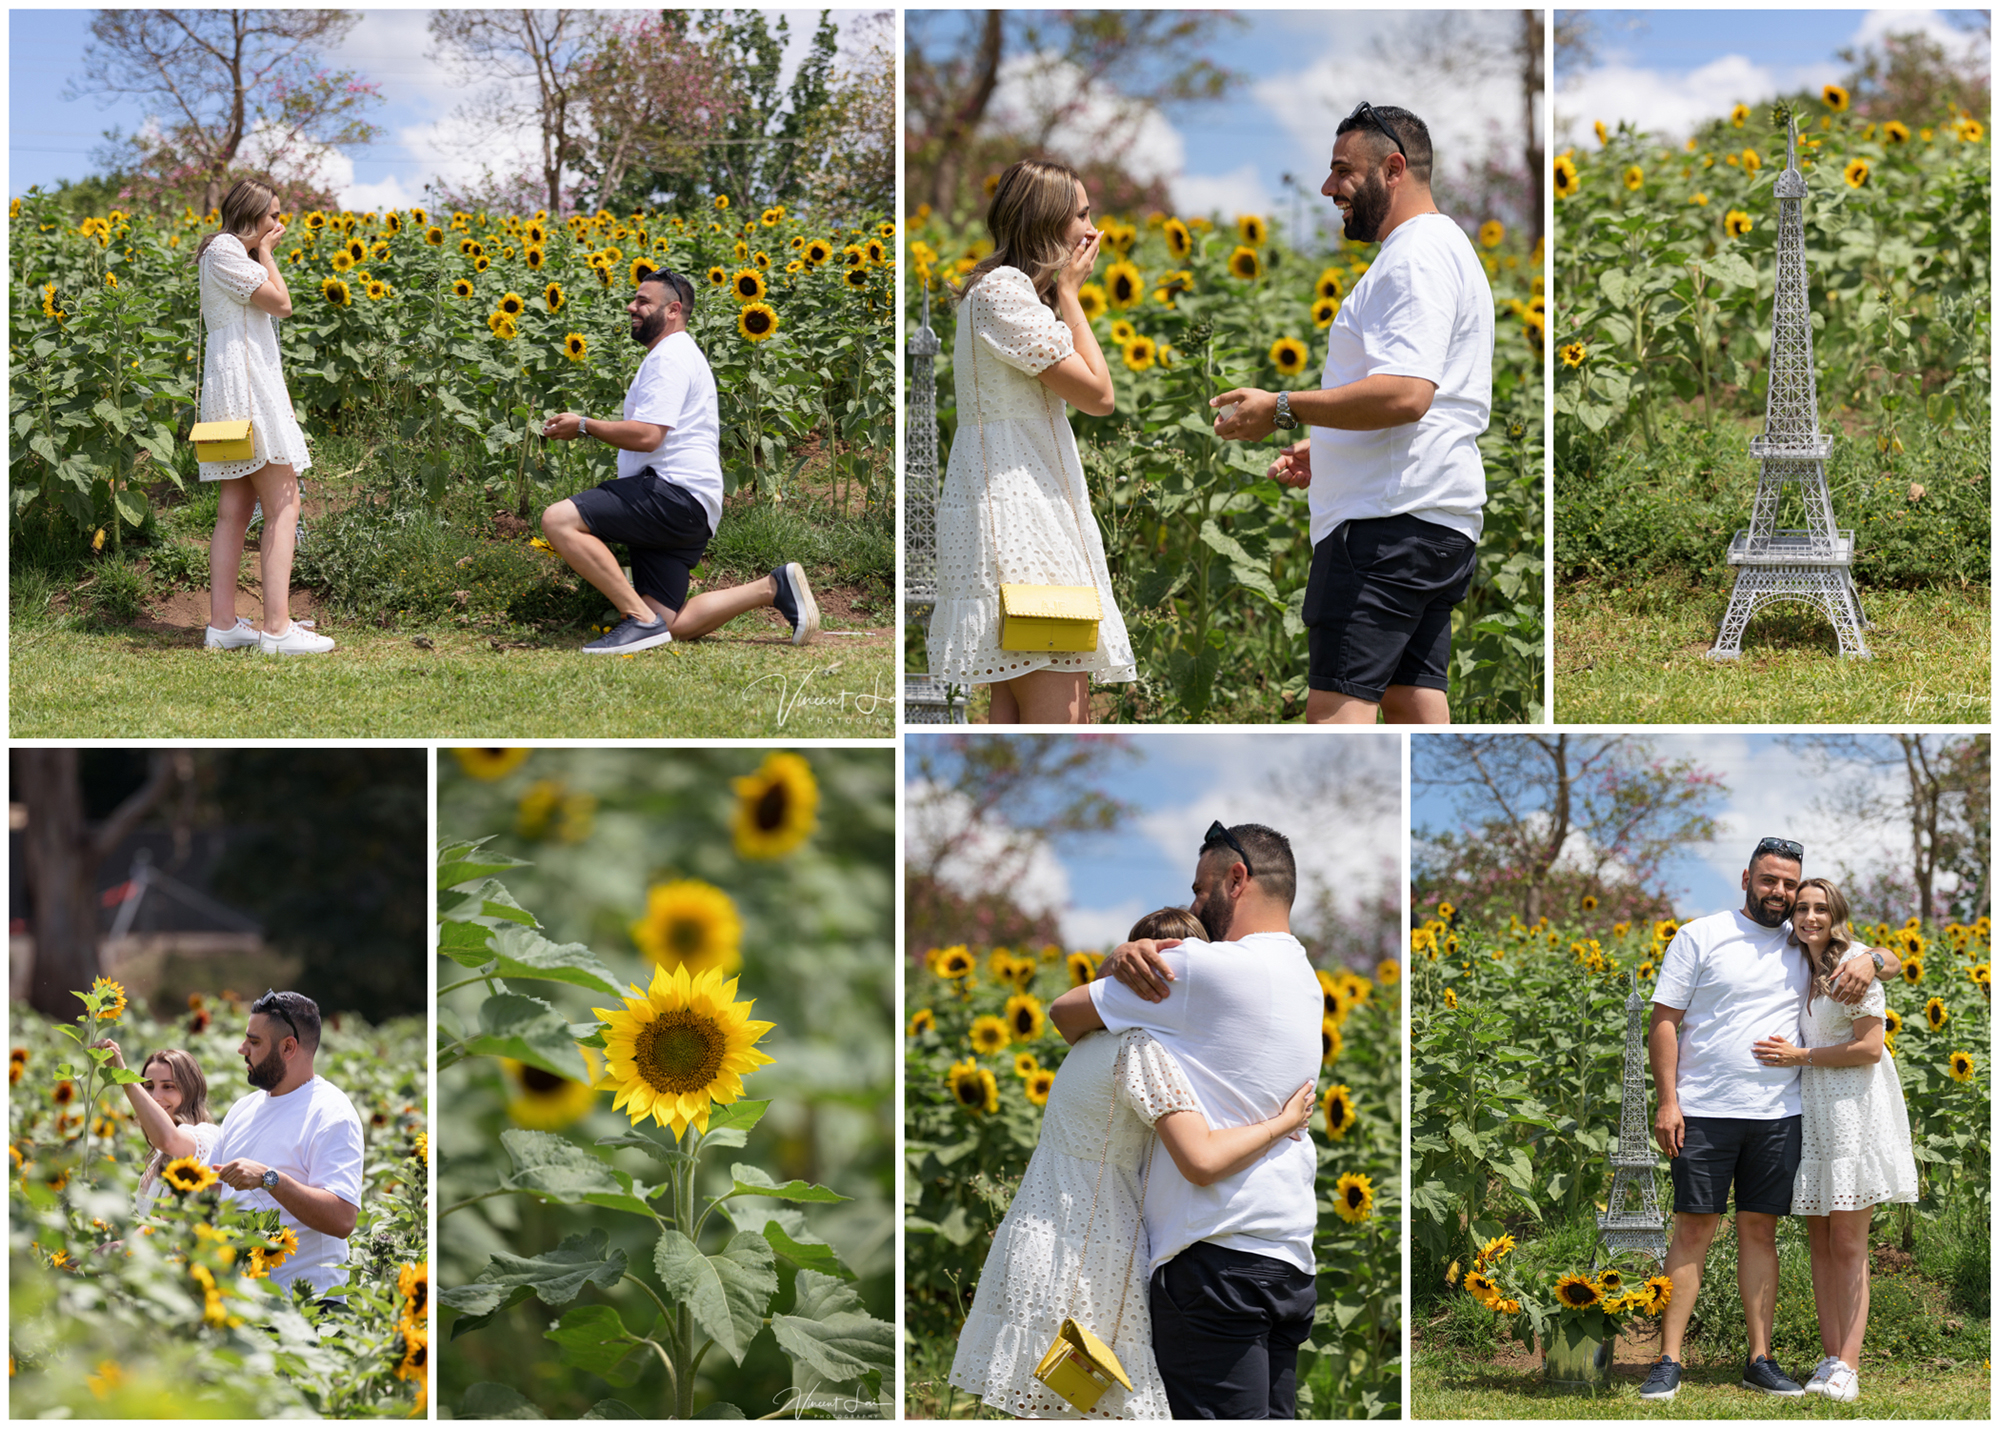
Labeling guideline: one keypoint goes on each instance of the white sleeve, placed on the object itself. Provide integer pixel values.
(1016, 325)
(239, 274)
(1680, 973)
(333, 1160)
(1874, 1002)
(1152, 1083)
(1122, 1009)
(660, 394)
(1410, 336)
(206, 1136)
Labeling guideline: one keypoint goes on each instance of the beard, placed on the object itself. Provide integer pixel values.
(268, 1073)
(1214, 912)
(1367, 209)
(1764, 915)
(646, 331)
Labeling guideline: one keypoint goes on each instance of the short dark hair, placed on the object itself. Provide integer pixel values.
(1775, 853)
(297, 1010)
(1414, 133)
(674, 283)
(1269, 857)
(1168, 923)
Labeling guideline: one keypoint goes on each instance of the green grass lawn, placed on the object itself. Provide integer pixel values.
(83, 678)
(1635, 655)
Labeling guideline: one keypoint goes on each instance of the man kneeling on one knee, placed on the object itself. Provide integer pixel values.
(666, 501)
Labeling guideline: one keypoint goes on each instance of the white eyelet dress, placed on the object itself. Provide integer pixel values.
(1014, 442)
(241, 376)
(1039, 1273)
(1855, 1131)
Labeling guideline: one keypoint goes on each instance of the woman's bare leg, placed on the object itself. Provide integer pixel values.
(1818, 1240)
(1002, 709)
(225, 549)
(1051, 697)
(1849, 1283)
(277, 487)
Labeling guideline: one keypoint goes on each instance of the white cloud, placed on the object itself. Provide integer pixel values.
(1032, 87)
(1670, 106)
(1037, 885)
(1103, 927)
(1878, 25)
(1241, 190)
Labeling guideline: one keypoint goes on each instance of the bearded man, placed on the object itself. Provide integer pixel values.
(1392, 466)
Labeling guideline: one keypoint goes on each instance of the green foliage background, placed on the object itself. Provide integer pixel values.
(818, 930)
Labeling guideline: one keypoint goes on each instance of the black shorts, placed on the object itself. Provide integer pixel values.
(662, 527)
(1378, 605)
(1227, 1326)
(1760, 1157)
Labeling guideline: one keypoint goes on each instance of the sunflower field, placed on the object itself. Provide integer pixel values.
(694, 1018)
(1662, 327)
(173, 1315)
(1208, 557)
(1517, 1047)
(980, 1059)
(441, 341)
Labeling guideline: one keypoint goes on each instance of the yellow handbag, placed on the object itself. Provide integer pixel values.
(1043, 618)
(220, 441)
(1079, 1366)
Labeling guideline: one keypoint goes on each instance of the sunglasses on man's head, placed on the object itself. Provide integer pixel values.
(1365, 110)
(1217, 834)
(277, 1009)
(1784, 848)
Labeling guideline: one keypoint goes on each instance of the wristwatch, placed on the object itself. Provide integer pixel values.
(1284, 420)
(583, 426)
(270, 1178)
(1876, 954)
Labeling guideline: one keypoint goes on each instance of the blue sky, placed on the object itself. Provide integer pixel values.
(1769, 789)
(1100, 884)
(1304, 71)
(50, 138)
(1670, 70)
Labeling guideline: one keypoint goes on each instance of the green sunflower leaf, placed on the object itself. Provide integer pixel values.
(726, 1293)
(831, 1334)
(558, 1169)
(462, 862)
(554, 1277)
(790, 1191)
(611, 1409)
(489, 902)
(593, 1338)
(741, 1115)
(487, 1400)
(524, 953)
(807, 1255)
(526, 1029)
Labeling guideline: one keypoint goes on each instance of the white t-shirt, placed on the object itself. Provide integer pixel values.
(674, 388)
(312, 1134)
(1423, 309)
(1736, 982)
(1243, 1022)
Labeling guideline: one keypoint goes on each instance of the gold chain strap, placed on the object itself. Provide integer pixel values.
(1145, 1179)
(986, 467)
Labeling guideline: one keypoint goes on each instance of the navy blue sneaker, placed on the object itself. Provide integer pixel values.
(1763, 1373)
(1663, 1381)
(629, 635)
(795, 601)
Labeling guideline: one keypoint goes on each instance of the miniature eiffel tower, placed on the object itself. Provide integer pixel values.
(925, 701)
(1633, 1163)
(1812, 565)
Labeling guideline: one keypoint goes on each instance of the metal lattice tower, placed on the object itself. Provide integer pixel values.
(925, 701)
(1773, 564)
(1622, 1227)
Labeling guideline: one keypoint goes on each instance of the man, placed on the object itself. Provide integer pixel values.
(666, 501)
(294, 1144)
(1232, 1263)
(1726, 981)
(1392, 465)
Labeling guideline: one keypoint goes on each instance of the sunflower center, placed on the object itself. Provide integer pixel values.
(1354, 1198)
(686, 936)
(679, 1052)
(540, 1082)
(970, 1092)
(771, 804)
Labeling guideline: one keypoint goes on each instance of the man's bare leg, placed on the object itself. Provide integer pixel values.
(713, 609)
(1332, 707)
(1685, 1258)
(1757, 1276)
(590, 558)
(1415, 704)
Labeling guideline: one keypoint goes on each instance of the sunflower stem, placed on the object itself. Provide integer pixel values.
(470, 1200)
(463, 982)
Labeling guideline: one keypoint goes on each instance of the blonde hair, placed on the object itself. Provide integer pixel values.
(1029, 219)
(243, 210)
(1838, 941)
(1168, 923)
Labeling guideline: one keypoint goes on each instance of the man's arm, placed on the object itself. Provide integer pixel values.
(1663, 1051)
(1373, 404)
(1075, 1013)
(632, 436)
(1140, 967)
(1851, 978)
(311, 1207)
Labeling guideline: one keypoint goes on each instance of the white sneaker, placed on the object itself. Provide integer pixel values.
(1843, 1385)
(1817, 1384)
(239, 636)
(296, 641)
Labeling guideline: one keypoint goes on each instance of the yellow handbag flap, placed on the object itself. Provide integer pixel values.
(1075, 1338)
(1050, 602)
(204, 432)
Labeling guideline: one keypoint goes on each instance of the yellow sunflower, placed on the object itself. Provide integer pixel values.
(1752, 161)
(717, 277)
(1026, 1064)
(1245, 264)
(1329, 1041)
(1124, 285)
(1913, 971)
(1492, 233)
(1325, 310)
(1338, 1107)
(552, 297)
(1289, 355)
(973, 1087)
(336, 292)
(1895, 132)
(690, 924)
(1892, 1022)
(511, 304)
(1659, 1289)
(680, 1047)
(377, 290)
(1577, 1292)
(721, 202)
(575, 347)
(1080, 968)
(1354, 1198)
(187, 1175)
(855, 278)
(1635, 178)
(1024, 1016)
(1040, 1083)
(1935, 1013)
(1252, 229)
(756, 321)
(1330, 284)
(989, 1034)
(342, 262)
(818, 251)
(1140, 353)
(543, 1101)
(1962, 1066)
(461, 288)
(534, 257)
(1451, 999)
(1180, 242)
(413, 1283)
(1856, 173)
(1482, 1288)
(777, 808)
(114, 1008)
(955, 962)
(1835, 97)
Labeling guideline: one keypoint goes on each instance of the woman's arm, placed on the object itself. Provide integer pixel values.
(274, 297)
(161, 1130)
(1864, 1050)
(1082, 379)
(1074, 1013)
(1205, 1155)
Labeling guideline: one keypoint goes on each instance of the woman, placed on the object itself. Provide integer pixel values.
(1014, 506)
(171, 1107)
(1073, 1242)
(241, 291)
(1855, 1135)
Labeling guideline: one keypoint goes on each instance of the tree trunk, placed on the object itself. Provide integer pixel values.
(1531, 86)
(967, 116)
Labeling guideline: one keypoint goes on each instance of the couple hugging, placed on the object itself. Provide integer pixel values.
(1197, 1272)
(1391, 466)
(1768, 1060)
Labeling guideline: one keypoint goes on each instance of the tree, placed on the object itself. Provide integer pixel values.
(762, 154)
(652, 99)
(532, 67)
(1606, 807)
(1136, 59)
(1914, 78)
(853, 138)
(63, 850)
(245, 90)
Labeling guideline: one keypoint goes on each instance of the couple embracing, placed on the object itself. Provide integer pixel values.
(1196, 1267)
(1768, 1059)
(1391, 462)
